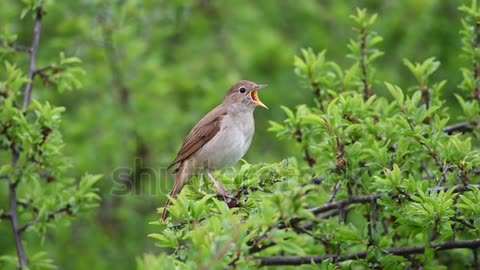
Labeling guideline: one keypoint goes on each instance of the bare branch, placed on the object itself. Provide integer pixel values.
(307, 232)
(374, 215)
(401, 251)
(476, 61)
(462, 127)
(298, 135)
(315, 88)
(12, 188)
(367, 89)
(342, 204)
(340, 208)
(33, 57)
(26, 205)
(425, 97)
(22, 258)
(464, 223)
(66, 209)
(43, 69)
(17, 48)
(444, 176)
(456, 189)
(22, 48)
(372, 198)
(17, 230)
(335, 191)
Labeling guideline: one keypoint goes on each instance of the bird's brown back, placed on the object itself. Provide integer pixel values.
(203, 132)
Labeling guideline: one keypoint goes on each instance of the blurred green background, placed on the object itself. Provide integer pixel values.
(154, 68)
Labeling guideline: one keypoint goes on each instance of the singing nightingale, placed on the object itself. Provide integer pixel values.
(219, 140)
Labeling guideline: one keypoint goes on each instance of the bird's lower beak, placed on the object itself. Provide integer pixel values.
(254, 96)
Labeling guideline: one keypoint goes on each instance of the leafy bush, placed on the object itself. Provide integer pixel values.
(384, 183)
(40, 191)
(361, 163)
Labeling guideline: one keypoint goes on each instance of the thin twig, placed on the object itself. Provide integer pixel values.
(462, 127)
(22, 48)
(33, 58)
(26, 205)
(434, 155)
(431, 152)
(374, 215)
(22, 258)
(369, 198)
(255, 245)
(476, 61)
(335, 191)
(401, 251)
(444, 176)
(324, 241)
(341, 208)
(43, 69)
(12, 190)
(342, 204)
(363, 63)
(425, 97)
(464, 223)
(308, 157)
(316, 89)
(316, 180)
(66, 209)
(16, 47)
(333, 213)
(223, 251)
(5, 216)
(340, 162)
(298, 135)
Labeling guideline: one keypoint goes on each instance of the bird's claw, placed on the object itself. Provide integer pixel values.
(229, 199)
(226, 195)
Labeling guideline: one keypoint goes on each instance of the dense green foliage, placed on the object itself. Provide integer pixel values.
(381, 178)
(34, 171)
(148, 70)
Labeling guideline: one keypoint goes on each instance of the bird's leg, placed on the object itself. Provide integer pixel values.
(226, 195)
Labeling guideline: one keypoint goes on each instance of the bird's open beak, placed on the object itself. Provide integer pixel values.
(254, 95)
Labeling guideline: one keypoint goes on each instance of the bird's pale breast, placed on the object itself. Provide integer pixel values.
(230, 144)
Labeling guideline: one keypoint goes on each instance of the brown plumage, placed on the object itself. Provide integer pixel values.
(200, 134)
(220, 139)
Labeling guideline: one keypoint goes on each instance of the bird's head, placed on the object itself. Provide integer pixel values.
(244, 93)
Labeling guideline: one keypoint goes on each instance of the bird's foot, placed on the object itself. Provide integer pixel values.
(232, 201)
(225, 194)
(228, 198)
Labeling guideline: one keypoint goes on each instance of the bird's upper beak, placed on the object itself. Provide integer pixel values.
(254, 95)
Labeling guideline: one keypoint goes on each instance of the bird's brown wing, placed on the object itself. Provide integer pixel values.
(203, 132)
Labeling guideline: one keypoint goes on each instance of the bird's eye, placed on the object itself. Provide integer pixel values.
(242, 90)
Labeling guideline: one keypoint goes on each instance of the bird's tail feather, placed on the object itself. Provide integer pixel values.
(180, 182)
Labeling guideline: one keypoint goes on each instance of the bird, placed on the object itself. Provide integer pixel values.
(219, 140)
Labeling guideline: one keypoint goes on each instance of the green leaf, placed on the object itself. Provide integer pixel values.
(396, 92)
(288, 112)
